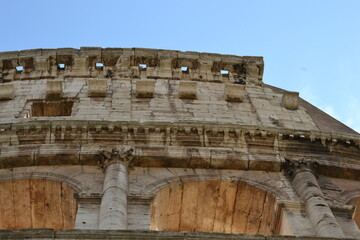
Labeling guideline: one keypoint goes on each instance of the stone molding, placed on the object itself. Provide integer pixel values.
(124, 63)
(201, 145)
(77, 185)
(46, 233)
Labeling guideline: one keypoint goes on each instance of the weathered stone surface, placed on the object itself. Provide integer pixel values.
(187, 89)
(54, 89)
(97, 87)
(6, 92)
(290, 100)
(145, 88)
(234, 92)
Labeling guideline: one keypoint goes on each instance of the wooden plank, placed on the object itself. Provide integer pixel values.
(268, 222)
(53, 211)
(225, 207)
(207, 197)
(160, 205)
(189, 207)
(241, 211)
(255, 210)
(7, 214)
(37, 203)
(22, 203)
(68, 206)
(174, 207)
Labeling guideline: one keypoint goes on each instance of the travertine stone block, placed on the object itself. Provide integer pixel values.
(187, 89)
(234, 92)
(97, 87)
(54, 89)
(6, 92)
(80, 62)
(145, 88)
(41, 63)
(290, 100)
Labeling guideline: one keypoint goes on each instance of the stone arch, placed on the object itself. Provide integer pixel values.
(74, 183)
(37, 201)
(208, 205)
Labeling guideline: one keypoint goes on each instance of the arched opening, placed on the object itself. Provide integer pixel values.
(213, 206)
(37, 203)
(356, 202)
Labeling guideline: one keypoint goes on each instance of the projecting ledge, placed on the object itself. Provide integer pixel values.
(102, 234)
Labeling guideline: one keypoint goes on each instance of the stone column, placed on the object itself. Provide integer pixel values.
(301, 174)
(113, 208)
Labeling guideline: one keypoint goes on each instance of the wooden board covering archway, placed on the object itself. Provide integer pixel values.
(213, 206)
(37, 203)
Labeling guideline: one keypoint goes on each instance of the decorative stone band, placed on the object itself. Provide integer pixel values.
(136, 234)
(302, 176)
(176, 145)
(129, 63)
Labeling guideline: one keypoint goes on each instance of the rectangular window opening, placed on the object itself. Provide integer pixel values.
(184, 69)
(99, 65)
(224, 72)
(61, 65)
(52, 108)
(19, 68)
(142, 66)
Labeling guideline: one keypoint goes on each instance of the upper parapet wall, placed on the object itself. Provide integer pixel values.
(129, 63)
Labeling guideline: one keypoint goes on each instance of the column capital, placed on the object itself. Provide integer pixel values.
(124, 157)
(292, 167)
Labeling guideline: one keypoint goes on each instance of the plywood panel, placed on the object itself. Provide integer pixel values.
(36, 203)
(213, 206)
(7, 209)
(208, 195)
(189, 209)
(225, 206)
(255, 211)
(174, 207)
(241, 209)
(68, 205)
(22, 203)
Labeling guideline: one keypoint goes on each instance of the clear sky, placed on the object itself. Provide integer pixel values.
(309, 46)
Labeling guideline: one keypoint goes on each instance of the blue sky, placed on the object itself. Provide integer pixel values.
(309, 46)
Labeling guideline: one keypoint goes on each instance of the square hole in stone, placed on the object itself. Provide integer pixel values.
(61, 65)
(142, 66)
(19, 68)
(52, 108)
(224, 72)
(99, 65)
(184, 69)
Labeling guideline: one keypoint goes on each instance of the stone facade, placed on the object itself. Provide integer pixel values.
(145, 139)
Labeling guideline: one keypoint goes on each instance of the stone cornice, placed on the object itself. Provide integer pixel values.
(226, 131)
(164, 144)
(124, 63)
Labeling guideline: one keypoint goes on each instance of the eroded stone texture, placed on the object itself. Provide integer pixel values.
(6, 92)
(187, 89)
